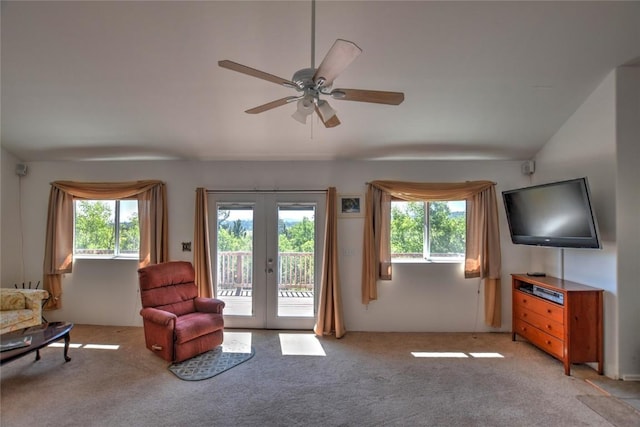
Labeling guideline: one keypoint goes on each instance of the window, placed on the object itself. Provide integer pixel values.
(438, 236)
(106, 228)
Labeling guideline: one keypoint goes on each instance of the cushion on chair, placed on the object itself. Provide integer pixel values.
(194, 325)
(170, 289)
(12, 301)
(158, 275)
(177, 299)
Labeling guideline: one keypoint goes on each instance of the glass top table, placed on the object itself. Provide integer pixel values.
(16, 344)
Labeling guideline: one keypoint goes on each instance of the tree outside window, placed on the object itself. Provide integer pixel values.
(106, 228)
(438, 236)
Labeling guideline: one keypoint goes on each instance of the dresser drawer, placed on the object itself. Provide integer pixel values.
(541, 322)
(546, 342)
(548, 309)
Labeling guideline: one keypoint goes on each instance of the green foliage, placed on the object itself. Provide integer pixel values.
(94, 226)
(447, 232)
(232, 236)
(299, 237)
(227, 241)
(130, 234)
(407, 228)
(95, 229)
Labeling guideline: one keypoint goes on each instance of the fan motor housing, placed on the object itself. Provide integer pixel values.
(304, 78)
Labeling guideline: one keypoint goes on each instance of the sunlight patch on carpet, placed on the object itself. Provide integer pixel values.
(300, 345)
(487, 355)
(209, 364)
(237, 342)
(456, 355)
(445, 354)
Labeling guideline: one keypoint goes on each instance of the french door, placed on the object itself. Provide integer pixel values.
(267, 253)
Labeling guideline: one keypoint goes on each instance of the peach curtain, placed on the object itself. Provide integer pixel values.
(58, 256)
(330, 317)
(482, 258)
(201, 254)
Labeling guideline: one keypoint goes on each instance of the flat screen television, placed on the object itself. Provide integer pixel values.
(558, 214)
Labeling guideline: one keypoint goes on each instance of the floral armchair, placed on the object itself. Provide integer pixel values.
(20, 308)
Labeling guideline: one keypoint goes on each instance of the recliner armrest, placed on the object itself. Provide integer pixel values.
(155, 315)
(209, 305)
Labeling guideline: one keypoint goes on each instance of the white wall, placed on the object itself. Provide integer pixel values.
(11, 242)
(432, 297)
(628, 219)
(599, 142)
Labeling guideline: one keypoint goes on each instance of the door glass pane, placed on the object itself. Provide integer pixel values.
(235, 258)
(296, 247)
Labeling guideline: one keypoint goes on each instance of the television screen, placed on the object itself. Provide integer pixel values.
(558, 214)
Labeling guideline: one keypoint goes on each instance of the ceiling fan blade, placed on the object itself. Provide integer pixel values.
(331, 123)
(234, 66)
(273, 104)
(341, 54)
(377, 96)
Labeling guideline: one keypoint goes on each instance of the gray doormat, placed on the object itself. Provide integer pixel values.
(209, 364)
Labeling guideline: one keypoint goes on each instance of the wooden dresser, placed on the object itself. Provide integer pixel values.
(560, 317)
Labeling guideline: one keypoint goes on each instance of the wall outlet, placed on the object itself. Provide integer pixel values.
(186, 246)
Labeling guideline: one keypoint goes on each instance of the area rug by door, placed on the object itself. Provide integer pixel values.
(209, 364)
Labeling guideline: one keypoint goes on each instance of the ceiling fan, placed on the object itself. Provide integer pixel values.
(312, 84)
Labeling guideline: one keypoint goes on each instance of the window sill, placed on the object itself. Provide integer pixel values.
(427, 261)
(105, 257)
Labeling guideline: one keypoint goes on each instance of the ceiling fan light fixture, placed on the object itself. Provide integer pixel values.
(304, 108)
(299, 117)
(305, 105)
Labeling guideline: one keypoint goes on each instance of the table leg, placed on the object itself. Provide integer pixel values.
(37, 355)
(67, 338)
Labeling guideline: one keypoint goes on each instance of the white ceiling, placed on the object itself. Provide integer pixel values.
(140, 80)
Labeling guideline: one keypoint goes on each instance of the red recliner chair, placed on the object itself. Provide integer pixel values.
(178, 324)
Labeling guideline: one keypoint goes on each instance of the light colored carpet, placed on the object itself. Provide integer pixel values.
(363, 379)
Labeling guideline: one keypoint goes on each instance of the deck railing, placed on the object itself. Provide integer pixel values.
(295, 270)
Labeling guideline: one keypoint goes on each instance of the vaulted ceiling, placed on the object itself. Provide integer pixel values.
(140, 80)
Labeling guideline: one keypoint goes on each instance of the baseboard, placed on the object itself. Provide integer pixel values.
(631, 377)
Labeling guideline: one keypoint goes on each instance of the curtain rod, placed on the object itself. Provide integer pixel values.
(264, 191)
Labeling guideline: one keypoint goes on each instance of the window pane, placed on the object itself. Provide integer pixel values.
(129, 232)
(407, 230)
(447, 228)
(235, 258)
(94, 227)
(296, 247)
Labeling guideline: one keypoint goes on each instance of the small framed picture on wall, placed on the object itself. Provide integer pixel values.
(350, 206)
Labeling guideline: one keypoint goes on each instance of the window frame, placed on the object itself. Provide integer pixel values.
(426, 242)
(116, 224)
